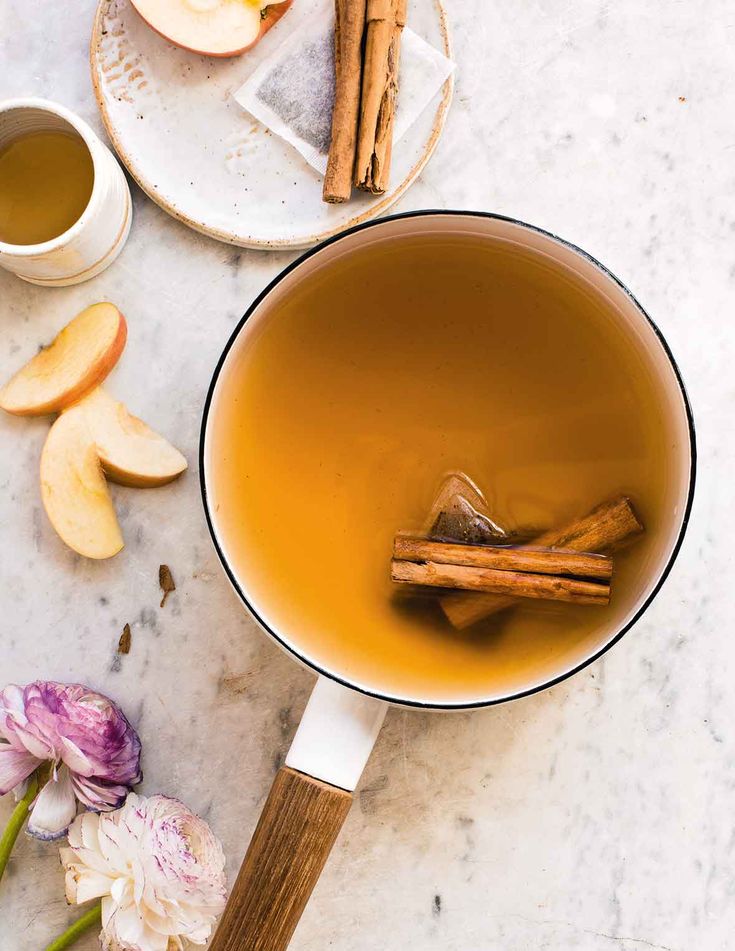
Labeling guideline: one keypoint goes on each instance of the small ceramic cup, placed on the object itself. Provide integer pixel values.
(97, 237)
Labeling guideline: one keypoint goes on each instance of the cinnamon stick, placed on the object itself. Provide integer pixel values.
(385, 22)
(606, 528)
(349, 25)
(547, 561)
(514, 584)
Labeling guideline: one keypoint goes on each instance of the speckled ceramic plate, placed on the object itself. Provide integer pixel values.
(172, 119)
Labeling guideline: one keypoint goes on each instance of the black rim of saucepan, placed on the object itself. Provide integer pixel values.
(307, 661)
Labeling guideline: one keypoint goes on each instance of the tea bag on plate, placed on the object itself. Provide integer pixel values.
(292, 91)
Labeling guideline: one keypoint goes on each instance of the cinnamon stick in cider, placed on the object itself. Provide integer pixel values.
(605, 528)
(349, 26)
(514, 584)
(523, 558)
(385, 22)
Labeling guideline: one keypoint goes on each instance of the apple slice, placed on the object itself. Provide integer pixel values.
(74, 489)
(130, 452)
(212, 27)
(79, 358)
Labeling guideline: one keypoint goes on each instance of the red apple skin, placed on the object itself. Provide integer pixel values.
(101, 371)
(93, 377)
(273, 14)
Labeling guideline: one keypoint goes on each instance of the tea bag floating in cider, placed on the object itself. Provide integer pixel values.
(460, 514)
(292, 91)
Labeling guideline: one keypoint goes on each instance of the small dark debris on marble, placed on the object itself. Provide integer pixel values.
(369, 795)
(125, 642)
(232, 685)
(284, 721)
(166, 581)
(436, 908)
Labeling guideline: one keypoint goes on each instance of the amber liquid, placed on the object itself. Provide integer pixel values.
(46, 182)
(336, 424)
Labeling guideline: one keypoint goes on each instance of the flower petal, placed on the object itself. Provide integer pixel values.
(55, 808)
(127, 925)
(74, 757)
(15, 766)
(86, 829)
(12, 708)
(97, 794)
(35, 745)
(82, 880)
(90, 885)
(121, 891)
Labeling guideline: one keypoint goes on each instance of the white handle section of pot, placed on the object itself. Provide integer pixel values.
(336, 734)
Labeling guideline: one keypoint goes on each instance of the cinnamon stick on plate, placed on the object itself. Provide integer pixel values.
(349, 25)
(604, 529)
(385, 22)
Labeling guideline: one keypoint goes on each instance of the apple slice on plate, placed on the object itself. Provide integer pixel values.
(131, 453)
(74, 489)
(212, 27)
(79, 358)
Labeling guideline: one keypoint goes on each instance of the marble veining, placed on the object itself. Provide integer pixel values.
(597, 816)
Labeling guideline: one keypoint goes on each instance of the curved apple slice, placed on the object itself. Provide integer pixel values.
(212, 27)
(74, 489)
(131, 453)
(78, 359)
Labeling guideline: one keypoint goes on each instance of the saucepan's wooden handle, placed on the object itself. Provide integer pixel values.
(298, 826)
(301, 819)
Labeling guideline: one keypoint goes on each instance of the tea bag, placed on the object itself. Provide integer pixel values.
(460, 514)
(292, 91)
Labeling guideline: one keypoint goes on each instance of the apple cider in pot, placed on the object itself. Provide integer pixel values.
(357, 393)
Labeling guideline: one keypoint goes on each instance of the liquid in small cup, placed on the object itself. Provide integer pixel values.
(65, 206)
(46, 181)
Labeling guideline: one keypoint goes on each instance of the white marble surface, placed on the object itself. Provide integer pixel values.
(596, 816)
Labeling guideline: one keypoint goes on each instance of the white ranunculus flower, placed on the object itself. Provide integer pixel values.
(158, 869)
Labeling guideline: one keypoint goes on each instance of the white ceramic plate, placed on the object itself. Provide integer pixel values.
(172, 119)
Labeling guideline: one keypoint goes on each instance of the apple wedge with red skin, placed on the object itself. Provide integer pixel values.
(77, 360)
(130, 452)
(219, 28)
(74, 489)
(94, 439)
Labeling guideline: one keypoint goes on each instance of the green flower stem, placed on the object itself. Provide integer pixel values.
(16, 822)
(88, 920)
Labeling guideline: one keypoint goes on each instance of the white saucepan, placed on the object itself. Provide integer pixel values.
(311, 794)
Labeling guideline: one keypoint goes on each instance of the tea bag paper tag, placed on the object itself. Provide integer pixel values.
(292, 90)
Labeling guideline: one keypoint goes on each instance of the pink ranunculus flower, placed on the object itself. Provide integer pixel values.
(93, 751)
(158, 868)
